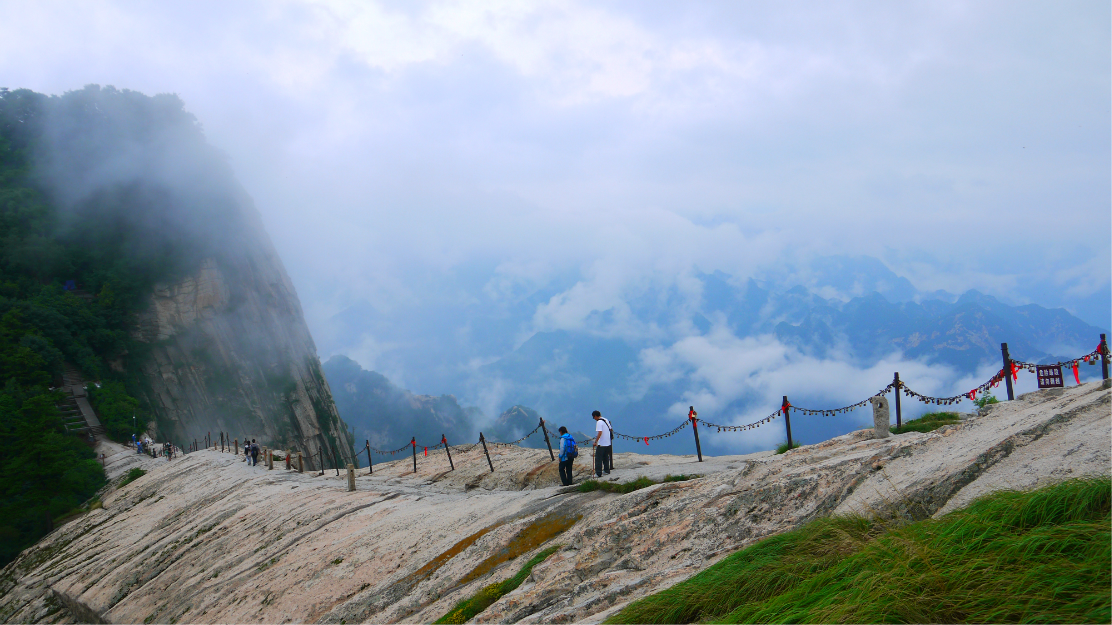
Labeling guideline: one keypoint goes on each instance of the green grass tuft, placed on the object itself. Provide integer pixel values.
(782, 447)
(628, 487)
(1038, 556)
(132, 475)
(928, 422)
(468, 608)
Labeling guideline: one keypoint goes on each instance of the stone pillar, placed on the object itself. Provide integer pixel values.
(351, 477)
(880, 416)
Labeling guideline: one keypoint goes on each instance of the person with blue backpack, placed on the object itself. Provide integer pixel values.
(568, 452)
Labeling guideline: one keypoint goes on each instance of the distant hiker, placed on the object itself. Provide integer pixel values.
(254, 453)
(138, 447)
(246, 450)
(568, 452)
(604, 444)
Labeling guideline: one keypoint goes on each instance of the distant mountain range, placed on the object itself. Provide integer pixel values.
(852, 311)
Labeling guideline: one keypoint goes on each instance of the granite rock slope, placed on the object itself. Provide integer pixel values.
(206, 538)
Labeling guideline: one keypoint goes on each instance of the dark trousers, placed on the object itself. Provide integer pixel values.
(602, 459)
(565, 471)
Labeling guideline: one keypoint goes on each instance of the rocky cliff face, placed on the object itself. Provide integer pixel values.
(226, 349)
(208, 539)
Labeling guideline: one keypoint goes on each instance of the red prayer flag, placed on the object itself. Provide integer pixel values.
(1076, 377)
(646, 440)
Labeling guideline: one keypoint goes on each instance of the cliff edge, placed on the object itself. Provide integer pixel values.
(206, 538)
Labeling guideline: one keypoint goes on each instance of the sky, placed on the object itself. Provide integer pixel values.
(426, 155)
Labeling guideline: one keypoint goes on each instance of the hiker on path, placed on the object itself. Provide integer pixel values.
(254, 453)
(604, 444)
(246, 450)
(568, 452)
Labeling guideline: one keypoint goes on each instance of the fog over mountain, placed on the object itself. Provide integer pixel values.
(572, 205)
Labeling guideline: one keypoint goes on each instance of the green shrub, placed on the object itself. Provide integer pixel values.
(928, 422)
(628, 487)
(782, 447)
(1037, 556)
(468, 608)
(132, 475)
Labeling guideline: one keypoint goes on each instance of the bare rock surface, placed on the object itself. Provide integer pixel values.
(207, 538)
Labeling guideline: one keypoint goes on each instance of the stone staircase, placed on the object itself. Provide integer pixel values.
(77, 414)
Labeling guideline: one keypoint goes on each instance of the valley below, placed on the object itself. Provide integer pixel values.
(208, 539)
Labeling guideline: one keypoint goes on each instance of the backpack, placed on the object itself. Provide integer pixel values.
(254, 449)
(571, 450)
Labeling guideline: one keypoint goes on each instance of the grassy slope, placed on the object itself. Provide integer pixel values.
(468, 608)
(1039, 556)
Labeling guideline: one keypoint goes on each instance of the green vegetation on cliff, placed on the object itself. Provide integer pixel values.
(63, 220)
(1010, 557)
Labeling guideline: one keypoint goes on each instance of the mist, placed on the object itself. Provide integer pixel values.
(446, 182)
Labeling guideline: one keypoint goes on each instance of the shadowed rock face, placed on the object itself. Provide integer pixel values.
(229, 351)
(206, 538)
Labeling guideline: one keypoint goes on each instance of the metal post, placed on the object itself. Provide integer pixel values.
(335, 459)
(896, 384)
(289, 459)
(370, 465)
(691, 414)
(413, 443)
(1007, 370)
(444, 439)
(300, 463)
(787, 420)
(1104, 357)
(544, 431)
(483, 441)
(235, 443)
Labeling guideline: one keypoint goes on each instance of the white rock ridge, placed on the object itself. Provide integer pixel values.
(207, 539)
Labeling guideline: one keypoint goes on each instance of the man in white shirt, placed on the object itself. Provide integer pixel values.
(604, 444)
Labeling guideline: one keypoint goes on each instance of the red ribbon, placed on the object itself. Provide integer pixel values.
(784, 408)
(646, 440)
(426, 451)
(1015, 372)
(1076, 377)
(973, 395)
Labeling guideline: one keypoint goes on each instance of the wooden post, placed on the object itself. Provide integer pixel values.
(300, 463)
(544, 431)
(1007, 370)
(235, 444)
(351, 477)
(444, 439)
(370, 465)
(483, 441)
(413, 443)
(1104, 357)
(896, 384)
(787, 421)
(691, 414)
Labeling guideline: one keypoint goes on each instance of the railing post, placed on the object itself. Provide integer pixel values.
(896, 384)
(300, 463)
(444, 439)
(289, 459)
(544, 431)
(786, 407)
(413, 444)
(1007, 370)
(691, 414)
(370, 465)
(1104, 357)
(335, 459)
(235, 443)
(351, 477)
(483, 441)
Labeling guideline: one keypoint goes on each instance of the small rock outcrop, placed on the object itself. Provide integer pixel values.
(208, 539)
(881, 416)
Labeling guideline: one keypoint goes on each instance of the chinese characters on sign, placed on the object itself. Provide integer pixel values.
(1050, 376)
